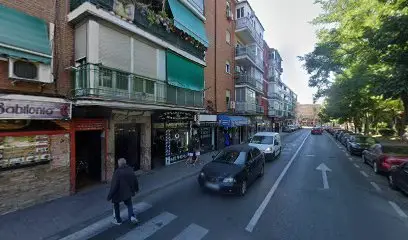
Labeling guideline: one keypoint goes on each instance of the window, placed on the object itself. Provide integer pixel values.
(228, 9)
(240, 12)
(227, 67)
(228, 97)
(228, 37)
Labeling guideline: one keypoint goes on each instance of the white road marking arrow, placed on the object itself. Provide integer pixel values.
(322, 167)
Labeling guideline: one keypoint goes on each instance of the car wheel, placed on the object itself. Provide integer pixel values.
(243, 188)
(375, 168)
(391, 182)
(262, 170)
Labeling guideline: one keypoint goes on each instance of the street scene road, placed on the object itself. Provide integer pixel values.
(293, 200)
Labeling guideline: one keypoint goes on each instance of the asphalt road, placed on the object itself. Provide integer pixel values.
(290, 201)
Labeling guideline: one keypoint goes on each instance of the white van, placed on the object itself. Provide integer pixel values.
(269, 143)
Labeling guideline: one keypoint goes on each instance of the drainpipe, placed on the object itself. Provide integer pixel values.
(215, 57)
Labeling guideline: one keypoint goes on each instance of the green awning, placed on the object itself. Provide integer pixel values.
(184, 73)
(185, 20)
(24, 36)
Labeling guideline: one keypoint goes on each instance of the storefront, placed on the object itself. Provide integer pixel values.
(89, 155)
(207, 131)
(34, 150)
(171, 135)
(233, 129)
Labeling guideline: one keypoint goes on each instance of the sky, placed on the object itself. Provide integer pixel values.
(287, 29)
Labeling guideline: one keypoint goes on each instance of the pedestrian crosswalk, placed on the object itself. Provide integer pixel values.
(144, 230)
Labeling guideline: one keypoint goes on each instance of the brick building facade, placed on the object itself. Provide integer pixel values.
(220, 30)
(35, 112)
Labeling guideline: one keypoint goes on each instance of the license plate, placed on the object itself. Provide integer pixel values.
(212, 186)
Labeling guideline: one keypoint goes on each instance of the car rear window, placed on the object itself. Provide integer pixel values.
(231, 157)
(262, 140)
(400, 150)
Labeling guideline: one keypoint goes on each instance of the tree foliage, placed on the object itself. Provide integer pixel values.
(360, 63)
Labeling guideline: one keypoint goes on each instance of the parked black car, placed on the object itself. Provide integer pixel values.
(233, 169)
(398, 178)
(356, 144)
(340, 133)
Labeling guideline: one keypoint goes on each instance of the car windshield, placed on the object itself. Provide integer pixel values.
(400, 150)
(231, 157)
(262, 140)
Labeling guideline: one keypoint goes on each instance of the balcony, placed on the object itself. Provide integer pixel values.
(274, 113)
(141, 21)
(260, 109)
(248, 108)
(274, 96)
(98, 82)
(246, 56)
(246, 31)
(250, 81)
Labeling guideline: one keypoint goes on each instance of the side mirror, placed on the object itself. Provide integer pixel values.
(276, 143)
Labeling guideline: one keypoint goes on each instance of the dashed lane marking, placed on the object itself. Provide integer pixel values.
(398, 209)
(375, 186)
(355, 165)
(364, 173)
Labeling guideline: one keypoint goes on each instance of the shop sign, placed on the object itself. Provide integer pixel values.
(20, 109)
(89, 124)
(174, 116)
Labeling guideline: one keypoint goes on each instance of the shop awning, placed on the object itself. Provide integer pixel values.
(186, 21)
(184, 73)
(24, 36)
(232, 121)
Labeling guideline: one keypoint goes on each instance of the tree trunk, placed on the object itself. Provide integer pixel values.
(366, 125)
(404, 117)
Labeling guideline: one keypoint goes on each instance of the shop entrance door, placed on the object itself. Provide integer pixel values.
(88, 158)
(127, 144)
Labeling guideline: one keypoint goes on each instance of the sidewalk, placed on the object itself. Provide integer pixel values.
(65, 215)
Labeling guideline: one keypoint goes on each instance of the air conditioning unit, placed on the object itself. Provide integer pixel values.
(232, 105)
(29, 71)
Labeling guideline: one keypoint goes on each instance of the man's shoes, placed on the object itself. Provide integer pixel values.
(134, 220)
(116, 222)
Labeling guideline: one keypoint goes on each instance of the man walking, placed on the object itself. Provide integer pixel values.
(124, 185)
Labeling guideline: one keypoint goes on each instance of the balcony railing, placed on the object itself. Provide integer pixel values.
(142, 22)
(94, 81)
(275, 96)
(248, 108)
(250, 52)
(274, 113)
(250, 80)
(246, 22)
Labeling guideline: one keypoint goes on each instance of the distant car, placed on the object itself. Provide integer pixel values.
(269, 143)
(382, 157)
(340, 133)
(358, 143)
(233, 169)
(398, 178)
(287, 129)
(317, 130)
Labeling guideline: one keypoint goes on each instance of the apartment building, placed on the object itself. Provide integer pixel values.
(85, 82)
(281, 99)
(219, 73)
(307, 114)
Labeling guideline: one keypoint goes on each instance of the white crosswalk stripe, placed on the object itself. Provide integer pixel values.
(150, 227)
(192, 232)
(105, 223)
